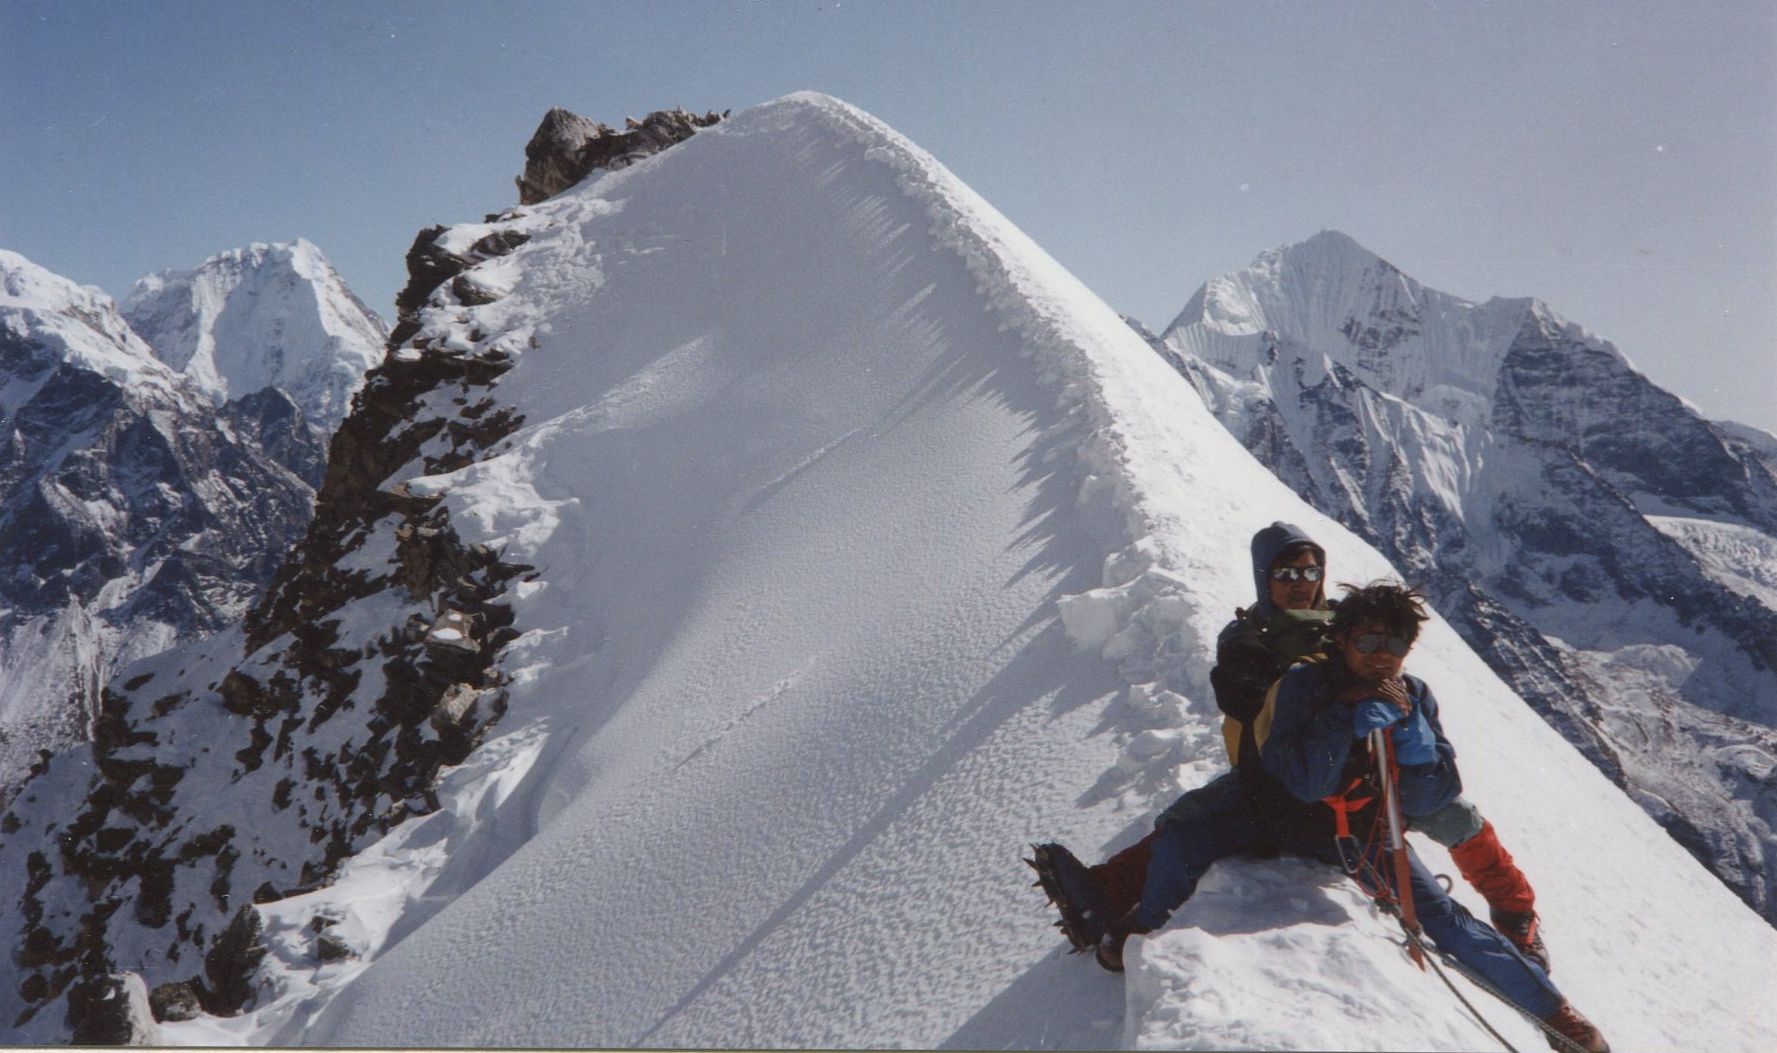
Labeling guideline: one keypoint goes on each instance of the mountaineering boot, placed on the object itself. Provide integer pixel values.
(1068, 884)
(1110, 948)
(1568, 1022)
(1485, 864)
(1525, 930)
(1120, 878)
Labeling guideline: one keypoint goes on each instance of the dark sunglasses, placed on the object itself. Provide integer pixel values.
(1295, 573)
(1370, 643)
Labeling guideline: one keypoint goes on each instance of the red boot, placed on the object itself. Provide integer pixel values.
(1122, 876)
(1485, 864)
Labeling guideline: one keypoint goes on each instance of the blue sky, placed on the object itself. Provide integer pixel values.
(1617, 159)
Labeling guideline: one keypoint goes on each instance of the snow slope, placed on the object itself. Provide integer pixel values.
(262, 316)
(870, 545)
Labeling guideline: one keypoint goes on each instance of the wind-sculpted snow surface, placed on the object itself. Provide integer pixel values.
(1609, 552)
(866, 545)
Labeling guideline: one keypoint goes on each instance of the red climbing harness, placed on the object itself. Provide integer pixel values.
(1355, 856)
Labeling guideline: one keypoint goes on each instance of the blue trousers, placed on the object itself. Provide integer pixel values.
(1217, 821)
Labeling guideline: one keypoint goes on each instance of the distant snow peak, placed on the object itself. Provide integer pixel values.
(1569, 516)
(62, 321)
(267, 315)
(131, 514)
(1332, 294)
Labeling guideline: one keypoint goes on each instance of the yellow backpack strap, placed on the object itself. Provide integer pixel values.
(1231, 730)
(1267, 713)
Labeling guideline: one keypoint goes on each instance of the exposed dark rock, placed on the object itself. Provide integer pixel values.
(499, 243)
(456, 708)
(552, 156)
(172, 1002)
(567, 147)
(273, 422)
(231, 964)
(112, 1010)
(330, 946)
(242, 695)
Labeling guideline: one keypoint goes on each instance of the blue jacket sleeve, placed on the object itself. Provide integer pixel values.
(1310, 736)
(1427, 787)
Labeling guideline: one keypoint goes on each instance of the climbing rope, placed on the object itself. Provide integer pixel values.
(1392, 899)
(1388, 904)
(1562, 1042)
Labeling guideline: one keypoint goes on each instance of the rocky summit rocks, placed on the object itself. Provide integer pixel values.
(568, 147)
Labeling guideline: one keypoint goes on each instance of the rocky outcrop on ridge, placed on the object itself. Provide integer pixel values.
(568, 147)
(249, 767)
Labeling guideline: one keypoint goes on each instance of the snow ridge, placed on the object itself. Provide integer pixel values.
(1161, 503)
(77, 324)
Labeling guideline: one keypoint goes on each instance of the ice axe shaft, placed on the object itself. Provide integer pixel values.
(1382, 750)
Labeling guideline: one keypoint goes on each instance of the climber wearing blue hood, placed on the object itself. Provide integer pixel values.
(1288, 621)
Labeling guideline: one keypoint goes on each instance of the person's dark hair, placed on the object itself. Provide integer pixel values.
(1399, 607)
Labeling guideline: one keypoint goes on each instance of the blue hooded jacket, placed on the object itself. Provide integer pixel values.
(1251, 651)
(1310, 749)
(1268, 544)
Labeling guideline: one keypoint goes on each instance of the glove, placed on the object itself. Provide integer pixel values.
(1414, 742)
(1370, 714)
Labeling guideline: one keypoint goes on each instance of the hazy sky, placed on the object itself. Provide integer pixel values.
(1617, 159)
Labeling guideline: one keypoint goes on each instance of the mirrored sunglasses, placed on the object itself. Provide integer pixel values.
(1296, 573)
(1370, 643)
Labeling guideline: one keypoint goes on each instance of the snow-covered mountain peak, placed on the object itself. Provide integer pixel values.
(1332, 294)
(1328, 252)
(62, 321)
(267, 315)
(1582, 525)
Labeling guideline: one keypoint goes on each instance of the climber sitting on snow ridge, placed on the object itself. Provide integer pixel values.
(1288, 622)
(1273, 802)
(1308, 736)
